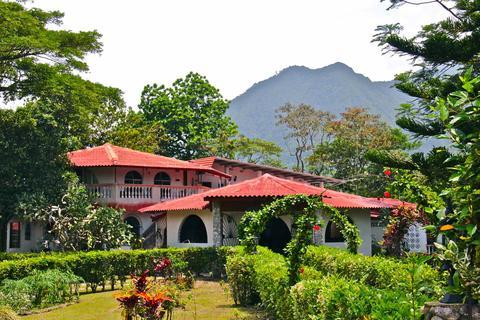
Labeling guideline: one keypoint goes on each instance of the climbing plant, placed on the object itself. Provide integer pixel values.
(304, 211)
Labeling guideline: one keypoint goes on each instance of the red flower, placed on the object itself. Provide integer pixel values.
(387, 194)
(164, 264)
(387, 172)
(316, 227)
(301, 270)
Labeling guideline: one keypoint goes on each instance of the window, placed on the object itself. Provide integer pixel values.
(162, 178)
(133, 177)
(28, 231)
(15, 234)
(333, 234)
(193, 230)
(87, 176)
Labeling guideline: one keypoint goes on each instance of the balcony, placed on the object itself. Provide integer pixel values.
(141, 193)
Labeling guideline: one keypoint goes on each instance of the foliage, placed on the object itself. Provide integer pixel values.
(400, 220)
(147, 300)
(76, 224)
(241, 278)
(343, 155)
(325, 295)
(412, 186)
(192, 113)
(255, 150)
(97, 267)
(466, 278)
(379, 272)
(31, 52)
(40, 289)
(306, 127)
(304, 210)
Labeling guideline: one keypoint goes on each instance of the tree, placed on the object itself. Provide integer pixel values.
(31, 53)
(38, 67)
(77, 224)
(344, 154)
(447, 92)
(192, 113)
(306, 127)
(32, 150)
(255, 150)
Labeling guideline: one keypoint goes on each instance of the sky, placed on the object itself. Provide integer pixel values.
(234, 43)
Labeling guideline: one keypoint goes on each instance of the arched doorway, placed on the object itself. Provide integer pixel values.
(135, 224)
(276, 235)
(193, 230)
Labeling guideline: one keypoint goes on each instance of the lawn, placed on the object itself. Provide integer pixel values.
(207, 301)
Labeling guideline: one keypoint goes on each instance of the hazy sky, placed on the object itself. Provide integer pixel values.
(234, 43)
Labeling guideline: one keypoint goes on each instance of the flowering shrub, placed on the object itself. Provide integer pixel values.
(151, 299)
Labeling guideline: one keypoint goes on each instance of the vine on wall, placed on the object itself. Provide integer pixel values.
(303, 210)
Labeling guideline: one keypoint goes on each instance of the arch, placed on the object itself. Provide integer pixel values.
(276, 235)
(162, 178)
(135, 224)
(193, 230)
(333, 231)
(133, 177)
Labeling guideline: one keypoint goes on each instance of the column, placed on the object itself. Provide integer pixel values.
(217, 224)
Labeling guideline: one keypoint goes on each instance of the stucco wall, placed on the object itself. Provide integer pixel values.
(33, 244)
(175, 220)
(361, 218)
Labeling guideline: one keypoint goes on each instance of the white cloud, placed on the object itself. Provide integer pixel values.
(233, 42)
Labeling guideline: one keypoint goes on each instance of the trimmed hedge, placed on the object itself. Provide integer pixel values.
(98, 267)
(379, 272)
(263, 278)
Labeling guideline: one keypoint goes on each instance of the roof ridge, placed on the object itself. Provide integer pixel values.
(111, 154)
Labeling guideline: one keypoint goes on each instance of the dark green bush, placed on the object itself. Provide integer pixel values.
(98, 267)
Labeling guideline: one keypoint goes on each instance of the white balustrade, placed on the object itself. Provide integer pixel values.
(131, 193)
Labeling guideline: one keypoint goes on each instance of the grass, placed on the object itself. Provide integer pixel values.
(207, 301)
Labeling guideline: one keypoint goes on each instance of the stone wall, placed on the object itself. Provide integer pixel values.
(453, 311)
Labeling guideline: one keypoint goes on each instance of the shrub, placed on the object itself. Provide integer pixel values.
(98, 267)
(241, 277)
(379, 272)
(41, 289)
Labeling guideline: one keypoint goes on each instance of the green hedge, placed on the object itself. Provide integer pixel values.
(263, 278)
(98, 267)
(379, 272)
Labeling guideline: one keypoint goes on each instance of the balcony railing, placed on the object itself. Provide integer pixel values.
(132, 193)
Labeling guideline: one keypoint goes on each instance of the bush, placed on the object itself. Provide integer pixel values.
(241, 277)
(322, 294)
(98, 267)
(379, 272)
(41, 289)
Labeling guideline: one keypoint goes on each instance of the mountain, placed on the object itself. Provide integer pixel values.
(331, 88)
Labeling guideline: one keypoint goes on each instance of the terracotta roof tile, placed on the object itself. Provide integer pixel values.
(108, 155)
(267, 186)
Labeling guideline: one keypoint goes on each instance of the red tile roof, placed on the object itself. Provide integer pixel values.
(267, 186)
(108, 155)
(311, 178)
